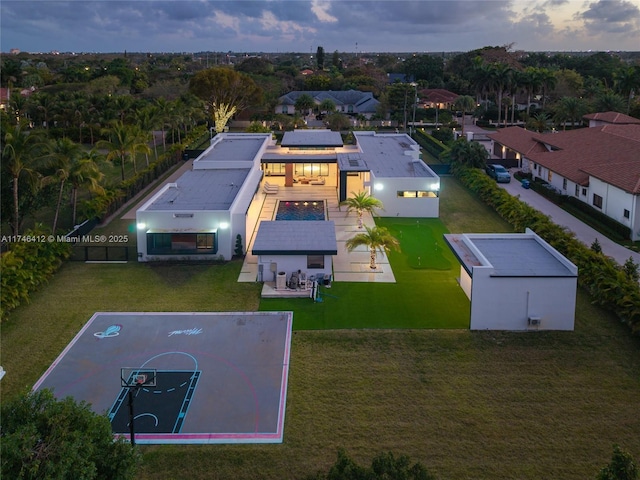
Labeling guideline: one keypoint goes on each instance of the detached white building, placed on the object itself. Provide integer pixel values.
(515, 281)
(199, 216)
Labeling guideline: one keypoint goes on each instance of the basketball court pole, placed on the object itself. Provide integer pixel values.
(132, 429)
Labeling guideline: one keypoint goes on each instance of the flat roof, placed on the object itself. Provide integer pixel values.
(385, 156)
(295, 237)
(202, 190)
(311, 138)
(233, 148)
(510, 255)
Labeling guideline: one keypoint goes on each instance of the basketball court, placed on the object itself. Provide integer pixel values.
(193, 377)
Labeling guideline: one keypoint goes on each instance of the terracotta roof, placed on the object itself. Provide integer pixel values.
(612, 117)
(437, 95)
(608, 152)
(518, 139)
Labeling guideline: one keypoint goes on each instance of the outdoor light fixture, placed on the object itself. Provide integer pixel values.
(435, 186)
(142, 226)
(224, 225)
(378, 186)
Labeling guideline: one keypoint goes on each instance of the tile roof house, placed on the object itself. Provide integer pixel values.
(599, 165)
(348, 101)
(437, 97)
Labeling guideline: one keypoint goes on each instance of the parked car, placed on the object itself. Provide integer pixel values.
(498, 172)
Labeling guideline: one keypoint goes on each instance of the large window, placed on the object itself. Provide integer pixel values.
(315, 261)
(417, 194)
(181, 243)
(597, 201)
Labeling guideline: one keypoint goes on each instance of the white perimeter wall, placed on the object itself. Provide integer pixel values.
(506, 303)
(614, 202)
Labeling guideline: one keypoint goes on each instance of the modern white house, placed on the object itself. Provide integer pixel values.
(202, 213)
(351, 102)
(599, 165)
(199, 216)
(515, 281)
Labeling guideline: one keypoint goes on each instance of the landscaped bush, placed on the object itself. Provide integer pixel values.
(28, 263)
(430, 144)
(605, 280)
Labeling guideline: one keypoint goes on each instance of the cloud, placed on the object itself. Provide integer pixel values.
(295, 25)
(321, 11)
(612, 16)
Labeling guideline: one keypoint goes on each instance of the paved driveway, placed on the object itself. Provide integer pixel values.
(583, 232)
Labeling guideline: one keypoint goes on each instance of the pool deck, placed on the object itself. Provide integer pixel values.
(347, 266)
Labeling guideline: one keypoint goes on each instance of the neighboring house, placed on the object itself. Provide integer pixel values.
(599, 165)
(515, 281)
(436, 98)
(351, 102)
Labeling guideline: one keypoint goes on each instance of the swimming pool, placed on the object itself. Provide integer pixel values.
(300, 210)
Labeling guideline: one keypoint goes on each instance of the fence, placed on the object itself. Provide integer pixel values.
(103, 253)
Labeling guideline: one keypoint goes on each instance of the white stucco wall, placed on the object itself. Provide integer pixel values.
(291, 263)
(506, 303)
(614, 202)
(386, 190)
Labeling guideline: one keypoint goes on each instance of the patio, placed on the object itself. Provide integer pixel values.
(347, 266)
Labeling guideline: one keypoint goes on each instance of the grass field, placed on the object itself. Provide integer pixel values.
(425, 295)
(468, 405)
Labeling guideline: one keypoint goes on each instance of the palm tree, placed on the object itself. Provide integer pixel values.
(125, 141)
(531, 82)
(21, 151)
(375, 239)
(548, 81)
(85, 172)
(466, 103)
(64, 153)
(304, 103)
(362, 202)
(570, 109)
(501, 74)
(609, 102)
(327, 106)
(627, 81)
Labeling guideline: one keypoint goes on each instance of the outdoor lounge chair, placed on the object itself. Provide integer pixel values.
(269, 188)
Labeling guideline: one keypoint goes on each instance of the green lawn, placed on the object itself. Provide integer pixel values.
(468, 405)
(425, 295)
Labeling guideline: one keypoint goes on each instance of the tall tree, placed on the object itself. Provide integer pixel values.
(320, 58)
(375, 239)
(225, 91)
(85, 172)
(124, 142)
(21, 151)
(64, 153)
(609, 102)
(570, 109)
(465, 103)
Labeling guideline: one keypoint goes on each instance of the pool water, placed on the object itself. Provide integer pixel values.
(300, 210)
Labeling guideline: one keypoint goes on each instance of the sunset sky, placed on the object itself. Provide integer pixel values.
(302, 26)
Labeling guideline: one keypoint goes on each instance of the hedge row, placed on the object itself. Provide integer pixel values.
(601, 276)
(433, 146)
(26, 266)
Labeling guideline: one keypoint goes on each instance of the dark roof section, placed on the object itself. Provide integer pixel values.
(291, 237)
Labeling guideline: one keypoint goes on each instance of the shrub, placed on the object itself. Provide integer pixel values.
(27, 265)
